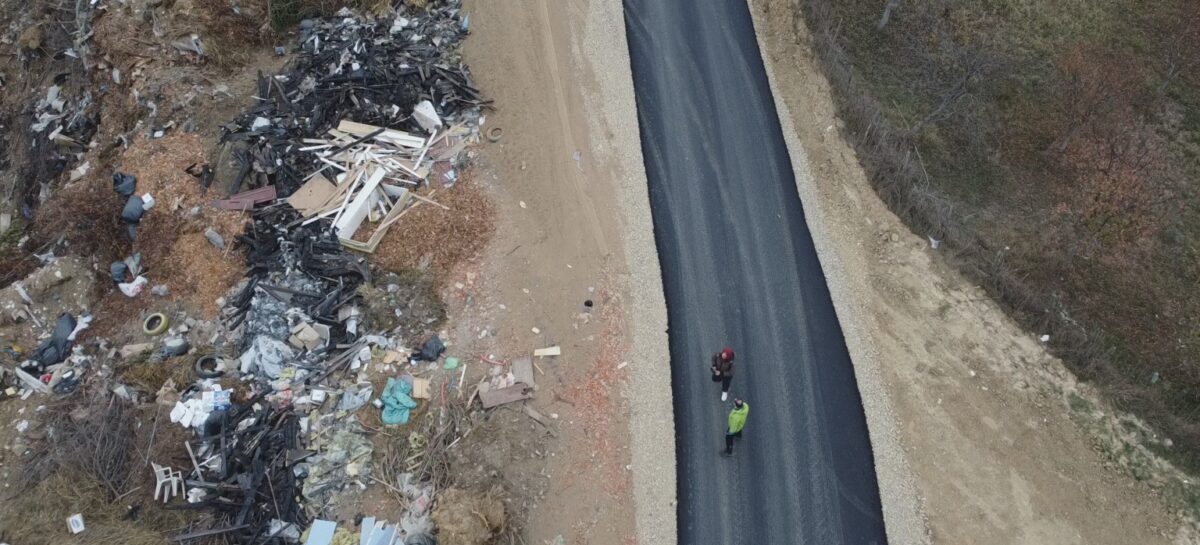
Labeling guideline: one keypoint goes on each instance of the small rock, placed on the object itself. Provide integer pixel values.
(133, 350)
(160, 290)
(214, 238)
(895, 237)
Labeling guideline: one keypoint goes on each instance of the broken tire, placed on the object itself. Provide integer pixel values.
(207, 366)
(155, 324)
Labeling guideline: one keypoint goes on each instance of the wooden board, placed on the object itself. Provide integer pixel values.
(355, 212)
(491, 398)
(522, 370)
(399, 138)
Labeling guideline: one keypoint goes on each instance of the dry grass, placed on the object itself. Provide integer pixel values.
(1107, 317)
(96, 464)
(150, 376)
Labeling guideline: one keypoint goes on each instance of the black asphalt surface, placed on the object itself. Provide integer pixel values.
(739, 268)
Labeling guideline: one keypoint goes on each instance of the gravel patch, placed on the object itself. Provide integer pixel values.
(614, 129)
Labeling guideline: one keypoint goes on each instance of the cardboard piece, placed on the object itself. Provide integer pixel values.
(313, 195)
(420, 388)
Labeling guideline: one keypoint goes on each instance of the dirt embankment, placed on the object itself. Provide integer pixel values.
(997, 440)
(573, 225)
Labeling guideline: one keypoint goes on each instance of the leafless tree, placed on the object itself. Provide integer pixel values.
(959, 66)
(1181, 48)
(887, 13)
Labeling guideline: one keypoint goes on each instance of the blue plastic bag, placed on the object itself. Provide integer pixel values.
(397, 402)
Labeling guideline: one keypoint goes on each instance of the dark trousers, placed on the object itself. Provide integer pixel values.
(724, 380)
(729, 437)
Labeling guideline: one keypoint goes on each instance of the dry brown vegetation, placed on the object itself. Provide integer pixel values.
(1053, 148)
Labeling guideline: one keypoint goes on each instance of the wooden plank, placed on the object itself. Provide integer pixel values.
(247, 199)
(354, 213)
(349, 183)
(399, 138)
(492, 398)
(439, 205)
(522, 370)
(398, 210)
(548, 351)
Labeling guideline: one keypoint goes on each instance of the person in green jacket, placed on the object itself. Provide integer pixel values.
(737, 421)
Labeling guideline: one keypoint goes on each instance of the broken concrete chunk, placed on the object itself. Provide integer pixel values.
(133, 350)
(214, 238)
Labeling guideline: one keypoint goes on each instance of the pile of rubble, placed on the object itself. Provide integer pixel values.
(332, 136)
(403, 73)
(371, 114)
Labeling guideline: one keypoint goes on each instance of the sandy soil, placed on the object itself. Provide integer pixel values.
(977, 430)
(569, 156)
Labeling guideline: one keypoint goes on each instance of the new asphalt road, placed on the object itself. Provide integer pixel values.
(739, 269)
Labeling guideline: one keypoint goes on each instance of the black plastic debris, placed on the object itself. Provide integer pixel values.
(58, 346)
(255, 479)
(124, 184)
(369, 71)
(119, 271)
(431, 349)
(133, 211)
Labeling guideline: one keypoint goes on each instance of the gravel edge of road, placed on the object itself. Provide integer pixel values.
(613, 110)
(903, 520)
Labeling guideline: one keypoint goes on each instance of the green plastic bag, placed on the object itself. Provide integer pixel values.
(397, 402)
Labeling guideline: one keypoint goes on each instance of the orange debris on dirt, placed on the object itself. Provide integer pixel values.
(596, 398)
(171, 237)
(447, 237)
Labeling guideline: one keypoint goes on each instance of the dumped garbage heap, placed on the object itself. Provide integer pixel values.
(331, 134)
(402, 72)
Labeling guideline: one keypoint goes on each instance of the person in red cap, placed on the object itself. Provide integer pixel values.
(722, 370)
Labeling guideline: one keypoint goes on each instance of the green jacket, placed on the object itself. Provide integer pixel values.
(737, 418)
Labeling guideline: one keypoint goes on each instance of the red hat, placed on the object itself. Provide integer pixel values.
(727, 354)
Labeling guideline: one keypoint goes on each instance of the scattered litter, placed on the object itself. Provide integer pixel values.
(397, 402)
(431, 349)
(155, 324)
(75, 523)
(134, 288)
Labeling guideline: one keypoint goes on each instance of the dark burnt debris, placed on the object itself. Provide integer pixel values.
(371, 112)
(371, 72)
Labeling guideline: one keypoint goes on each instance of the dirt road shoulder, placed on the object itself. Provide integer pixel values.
(975, 428)
(652, 420)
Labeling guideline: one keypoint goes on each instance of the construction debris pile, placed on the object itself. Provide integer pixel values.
(329, 137)
(402, 72)
(368, 122)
